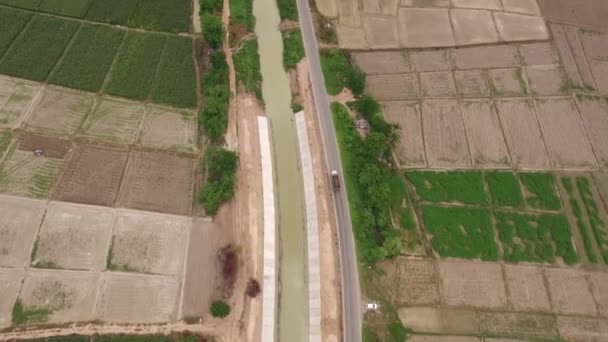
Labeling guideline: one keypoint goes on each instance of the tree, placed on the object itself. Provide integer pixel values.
(211, 6)
(355, 80)
(219, 309)
(366, 105)
(213, 30)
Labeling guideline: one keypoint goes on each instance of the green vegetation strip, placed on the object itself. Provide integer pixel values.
(577, 211)
(88, 59)
(11, 23)
(221, 166)
(293, 48)
(542, 189)
(241, 14)
(38, 48)
(213, 29)
(504, 189)
(176, 84)
(22, 315)
(288, 9)
(452, 186)
(216, 91)
(593, 211)
(136, 65)
(175, 337)
(247, 66)
(339, 72)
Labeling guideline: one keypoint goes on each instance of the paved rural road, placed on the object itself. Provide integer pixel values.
(351, 293)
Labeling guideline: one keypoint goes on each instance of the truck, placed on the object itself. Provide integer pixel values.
(335, 180)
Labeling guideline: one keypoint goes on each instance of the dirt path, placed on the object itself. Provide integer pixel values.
(330, 276)
(196, 16)
(232, 132)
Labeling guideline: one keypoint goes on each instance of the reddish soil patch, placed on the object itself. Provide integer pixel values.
(158, 182)
(93, 175)
(52, 147)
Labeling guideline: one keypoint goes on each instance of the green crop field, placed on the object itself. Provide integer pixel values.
(452, 186)
(89, 58)
(162, 15)
(37, 49)
(535, 238)
(112, 11)
(543, 193)
(461, 232)
(70, 8)
(176, 84)
(598, 226)
(504, 189)
(27, 4)
(136, 65)
(11, 23)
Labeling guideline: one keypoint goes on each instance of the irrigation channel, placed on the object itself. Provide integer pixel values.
(293, 293)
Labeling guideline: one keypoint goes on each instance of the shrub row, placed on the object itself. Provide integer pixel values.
(216, 90)
(221, 166)
(293, 48)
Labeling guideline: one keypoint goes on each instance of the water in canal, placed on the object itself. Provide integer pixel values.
(293, 297)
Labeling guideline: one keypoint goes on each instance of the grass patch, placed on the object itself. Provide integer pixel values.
(71, 338)
(5, 140)
(535, 238)
(339, 73)
(176, 83)
(247, 66)
(288, 9)
(241, 14)
(11, 23)
(71, 8)
(293, 48)
(593, 212)
(221, 166)
(216, 91)
(35, 52)
(44, 178)
(504, 189)
(136, 65)
(542, 190)
(449, 186)
(22, 315)
(461, 232)
(115, 12)
(88, 59)
(162, 15)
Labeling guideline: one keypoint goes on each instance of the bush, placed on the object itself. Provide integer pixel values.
(247, 66)
(216, 90)
(213, 30)
(253, 288)
(293, 49)
(288, 9)
(230, 265)
(221, 167)
(211, 6)
(219, 309)
(340, 73)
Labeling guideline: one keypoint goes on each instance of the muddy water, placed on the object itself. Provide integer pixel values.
(293, 297)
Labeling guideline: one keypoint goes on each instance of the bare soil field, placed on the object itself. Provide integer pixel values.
(517, 324)
(24, 174)
(429, 60)
(570, 293)
(595, 119)
(472, 83)
(582, 328)
(484, 133)
(472, 284)
(599, 288)
(438, 84)
(382, 62)
(586, 13)
(507, 82)
(60, 111)
(417, 283)
(21, 218)
(200, 269)
(15, 98)
(381, 32)
(410, 148)
(546, 80)
(169, 129)
(10, 281)
(444, 134)
(93, 175)
(158, 182)
(74, 237)
(562, 132)
(432, 338)
(394, 87)
(114, 120)
(149, 243)
(52, 147)
(440, 320)
(523, 134)
(68, 296)
(138, 298)
(526, 288)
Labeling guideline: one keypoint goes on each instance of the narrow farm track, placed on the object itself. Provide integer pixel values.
(232, 131)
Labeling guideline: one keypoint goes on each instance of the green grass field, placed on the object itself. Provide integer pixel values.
(461, 232)
(452, 186)
(241, 13)
(69, 8)
(162, 15)
(134, 71)
(11, 23)
(504, 189)
(37, 49)
(293, 49)
(176, 83)
(542, 189)
(112, 11)
(27, 4)
(247, 66)
(88, 59)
